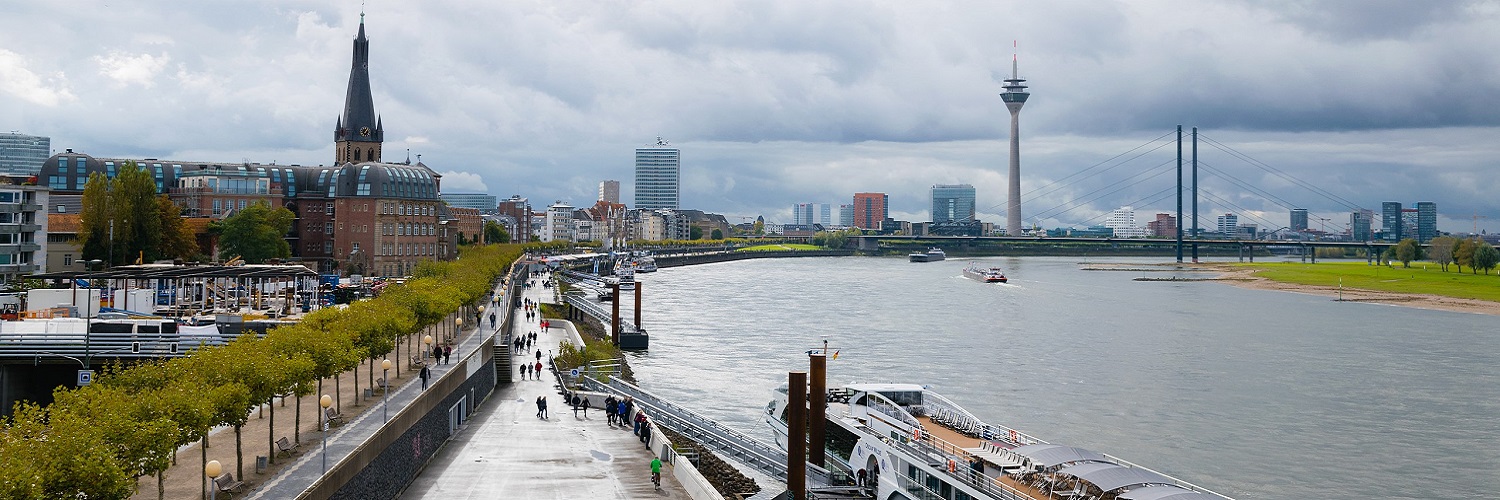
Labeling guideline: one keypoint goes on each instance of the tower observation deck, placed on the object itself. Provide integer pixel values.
(1014, 96)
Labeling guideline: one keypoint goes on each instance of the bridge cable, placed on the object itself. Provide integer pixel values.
(1086, 199)
(1277, 172)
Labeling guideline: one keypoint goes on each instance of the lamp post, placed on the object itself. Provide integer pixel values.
(325, 401)
(385, 370)
(480, 318)
(427, 342)
(211, 470)
(458, 324)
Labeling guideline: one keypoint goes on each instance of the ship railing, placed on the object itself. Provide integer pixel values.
(1179, 482)
(962, 420)
(881, 404)
(931, 445)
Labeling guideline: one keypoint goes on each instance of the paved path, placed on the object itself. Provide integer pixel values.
(296, 478)
(507, 452)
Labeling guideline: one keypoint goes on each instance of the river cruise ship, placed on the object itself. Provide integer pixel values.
(908, 442)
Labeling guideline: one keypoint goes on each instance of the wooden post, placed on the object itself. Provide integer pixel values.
(796, 439)
(614, 320)
(637, 306)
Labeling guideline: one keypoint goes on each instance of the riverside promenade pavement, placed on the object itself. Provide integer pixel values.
(308, 467)
(507, 452)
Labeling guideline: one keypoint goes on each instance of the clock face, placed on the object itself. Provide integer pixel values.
(364, 131)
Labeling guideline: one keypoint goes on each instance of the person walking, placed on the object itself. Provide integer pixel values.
(575, 401)
(609, 410)
(542, 400)
(447, 352)
(585, 406)
(525, 367)
(538, 369)
(425, 374)
(437, 354)
(538, 354)
(539, 407)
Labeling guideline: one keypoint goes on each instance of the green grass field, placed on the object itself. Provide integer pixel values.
(1422, 277)
(779, 247)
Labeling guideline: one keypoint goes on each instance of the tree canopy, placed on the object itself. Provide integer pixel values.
(146, 226)
(256, 234)
(495, 233)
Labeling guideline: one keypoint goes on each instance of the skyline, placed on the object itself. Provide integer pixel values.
(780, 103)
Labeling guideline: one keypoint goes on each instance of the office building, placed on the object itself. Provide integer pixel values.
(1165, 226)
(1122, 222)
(486, 204)
(952, 203)
(846, 215)
(23, 228)
(658, 171)
(1390, 220)
(609, 191)
(560, 225)
(1426, 221)
(871, 209)
(1360, 222)
(22, 155)
(1227, 224)
(519, 209)
(1298, 220)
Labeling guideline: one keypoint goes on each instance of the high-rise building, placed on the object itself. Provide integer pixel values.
(870, 209)
(1228, 224)
(609, 191)
(825, 214)
(1122, 222)
(658, 170)
(952, 203)
(1014, 96)
(560, 226)
(485, 203)
(802, 214)
(1299, 220)
(22, 155)
(1390, 220)
(1426, 221)
(846, 215)
(1359, 224)
(1165, 226)
(519, 209)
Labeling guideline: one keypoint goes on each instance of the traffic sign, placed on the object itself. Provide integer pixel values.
(85, 377)
(574, 372)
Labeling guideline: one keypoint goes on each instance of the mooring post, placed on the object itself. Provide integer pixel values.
(817, 394)
(796, 435)
(637, 306)
(614, 319)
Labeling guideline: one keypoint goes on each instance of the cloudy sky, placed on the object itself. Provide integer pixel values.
(1321, 104)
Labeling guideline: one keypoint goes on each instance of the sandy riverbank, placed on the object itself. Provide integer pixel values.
(1245, 278)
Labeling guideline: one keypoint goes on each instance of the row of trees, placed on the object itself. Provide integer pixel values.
(1472, 253)
(94, 441)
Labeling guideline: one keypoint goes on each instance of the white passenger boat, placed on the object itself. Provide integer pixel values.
(912, 443)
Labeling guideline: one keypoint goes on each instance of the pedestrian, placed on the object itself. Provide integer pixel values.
(538, 354)
(646, 434)
(525, 368)
(539, 406)
(492, 320)
(609, 410)
(585, 407)
(538, 369)
(860, 477)
(437, 354)
(424, 374)
(447, 352)
(575, 402)
(640, 422)
(622, 412)
(542, 400)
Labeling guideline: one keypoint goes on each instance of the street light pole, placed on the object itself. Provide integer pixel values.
(385, 370)
(325, 401)
(211, 470)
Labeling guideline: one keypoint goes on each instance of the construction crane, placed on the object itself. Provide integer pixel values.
(1476, 218)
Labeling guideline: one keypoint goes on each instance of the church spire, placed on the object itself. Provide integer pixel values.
(359, 133)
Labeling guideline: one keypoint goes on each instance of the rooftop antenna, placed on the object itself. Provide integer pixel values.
(1015, 49)
(408, 156)
(361, 13)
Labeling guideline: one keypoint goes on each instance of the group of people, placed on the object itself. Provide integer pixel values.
(524, 341)
(442, 352)
(531, 371)
(618, 410)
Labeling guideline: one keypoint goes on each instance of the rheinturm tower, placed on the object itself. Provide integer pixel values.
(359, 133)
(1014, 96)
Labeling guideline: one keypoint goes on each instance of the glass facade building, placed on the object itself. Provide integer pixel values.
(484, 203)
(1426, 221)
(1390, 220)
(952, 203)
(658, 171)
(22, 155)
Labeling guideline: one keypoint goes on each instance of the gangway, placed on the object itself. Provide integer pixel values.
(753, 453)
(598, 311)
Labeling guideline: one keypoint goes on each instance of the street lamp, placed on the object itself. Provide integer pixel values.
(458, 328)
(211, 470)
(325, 401)
(427, 343)
(385, 370)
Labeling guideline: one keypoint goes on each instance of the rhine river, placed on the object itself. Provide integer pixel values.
(1255, 394)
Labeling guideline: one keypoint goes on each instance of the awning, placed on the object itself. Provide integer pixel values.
(1110, 477)
(1047, 455)
(1163, 493)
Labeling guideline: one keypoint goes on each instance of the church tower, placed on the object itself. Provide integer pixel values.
(359, 133)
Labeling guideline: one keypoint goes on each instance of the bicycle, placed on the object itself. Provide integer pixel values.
(656, 480)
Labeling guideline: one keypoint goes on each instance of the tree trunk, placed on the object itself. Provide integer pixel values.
(271, 433)
(239, 454)
(204, 449)
(161, 480)
(338, 396)
(372, 376)
(356, 384)
(297, 422)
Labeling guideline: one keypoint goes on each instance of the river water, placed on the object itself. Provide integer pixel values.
(1255, 394)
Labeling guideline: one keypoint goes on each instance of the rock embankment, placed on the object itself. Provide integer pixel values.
(725, 478)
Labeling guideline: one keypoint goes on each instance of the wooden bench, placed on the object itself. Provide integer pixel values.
(226, 483)
(418, 361)
(333, 416)
(286, 446)
(381, 383)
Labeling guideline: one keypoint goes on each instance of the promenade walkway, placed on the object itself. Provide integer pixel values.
(507, 452)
